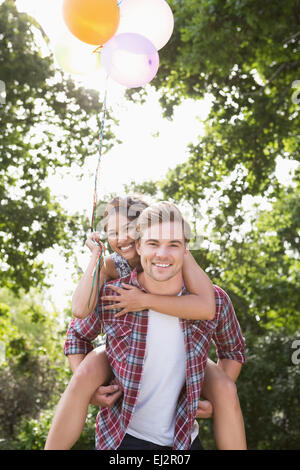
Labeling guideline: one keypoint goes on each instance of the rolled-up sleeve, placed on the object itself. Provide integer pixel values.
(81, 334)
(228, 337)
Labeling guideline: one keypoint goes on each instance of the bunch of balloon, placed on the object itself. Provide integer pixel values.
(129, 32)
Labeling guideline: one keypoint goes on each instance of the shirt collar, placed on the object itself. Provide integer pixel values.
(134, 280)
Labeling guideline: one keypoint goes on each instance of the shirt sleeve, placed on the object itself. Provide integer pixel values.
(81, 334)
(228, 337)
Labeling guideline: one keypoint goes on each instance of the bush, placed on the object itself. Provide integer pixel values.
(33, 433)
(269, 394)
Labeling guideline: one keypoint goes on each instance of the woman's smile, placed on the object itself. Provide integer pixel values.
(125, 248)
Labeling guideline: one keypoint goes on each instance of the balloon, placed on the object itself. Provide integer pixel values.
(92, 21)
(75, 56)
(150, 18)
(130, 59)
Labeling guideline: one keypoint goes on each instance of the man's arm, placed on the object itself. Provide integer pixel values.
(81, 334)
(228, 337)
(230, 367)
(105, 395)
(75, 360)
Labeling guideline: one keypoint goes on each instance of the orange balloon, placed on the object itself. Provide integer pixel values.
(92, 21)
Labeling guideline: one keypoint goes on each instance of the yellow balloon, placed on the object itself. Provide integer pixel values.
(92, 21)
(75, 56)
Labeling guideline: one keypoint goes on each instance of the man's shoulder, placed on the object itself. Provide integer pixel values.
(224, 304)
(118, 282)
(220, 294)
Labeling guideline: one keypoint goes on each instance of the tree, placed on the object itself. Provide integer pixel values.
(47, 123)
(33, 370)
(245, 55)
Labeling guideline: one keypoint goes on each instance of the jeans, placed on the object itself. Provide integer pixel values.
(133, 443)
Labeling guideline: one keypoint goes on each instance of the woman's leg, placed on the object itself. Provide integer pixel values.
(71, 411)
(229, 427)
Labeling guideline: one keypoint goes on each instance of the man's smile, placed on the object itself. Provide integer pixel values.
(162, 265)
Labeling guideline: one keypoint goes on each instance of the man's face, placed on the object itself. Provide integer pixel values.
(162, 249)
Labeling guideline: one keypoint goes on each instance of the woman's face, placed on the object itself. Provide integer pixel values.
(120, 235)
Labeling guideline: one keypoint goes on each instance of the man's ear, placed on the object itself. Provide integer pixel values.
(137, 247)
(186, 249)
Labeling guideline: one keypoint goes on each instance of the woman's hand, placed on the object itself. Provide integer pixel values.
(205, 409)
(129, 298)
(93, 241)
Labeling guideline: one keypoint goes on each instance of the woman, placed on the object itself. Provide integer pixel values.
(69, 419)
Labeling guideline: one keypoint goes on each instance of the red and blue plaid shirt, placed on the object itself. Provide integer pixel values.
(126, 345)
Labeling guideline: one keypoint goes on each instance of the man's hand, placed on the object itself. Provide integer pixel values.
(204, 410)
(106, 396)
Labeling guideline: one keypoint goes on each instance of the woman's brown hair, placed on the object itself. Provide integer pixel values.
(129, 206)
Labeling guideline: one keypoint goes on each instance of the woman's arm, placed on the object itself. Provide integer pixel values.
(200, 287)
(199, 305)
(82, 304)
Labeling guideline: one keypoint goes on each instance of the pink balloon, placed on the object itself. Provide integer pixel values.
(130, 59)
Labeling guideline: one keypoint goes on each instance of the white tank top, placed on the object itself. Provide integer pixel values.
(164, 374)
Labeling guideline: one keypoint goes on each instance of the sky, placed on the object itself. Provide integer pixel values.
(150, 146)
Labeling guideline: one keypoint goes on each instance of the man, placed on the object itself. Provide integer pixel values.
(159, 360)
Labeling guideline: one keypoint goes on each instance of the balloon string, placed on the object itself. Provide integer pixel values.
(100, 260)
(100, 146)
(99, 264)
(95, 275)
(97, 49)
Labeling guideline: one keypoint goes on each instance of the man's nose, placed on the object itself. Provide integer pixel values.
(162, 251)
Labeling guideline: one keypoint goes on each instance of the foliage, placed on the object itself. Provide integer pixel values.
(33, 433)
(33, 370)
(269, 393)
(268, 389)
(47, 123)
(245, 56)
(260, 268)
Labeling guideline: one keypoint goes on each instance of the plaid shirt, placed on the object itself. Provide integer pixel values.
(126, 346)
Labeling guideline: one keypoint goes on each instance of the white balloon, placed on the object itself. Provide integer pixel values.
(150, 18)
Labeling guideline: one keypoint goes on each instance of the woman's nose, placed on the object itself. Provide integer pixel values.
(123, 235)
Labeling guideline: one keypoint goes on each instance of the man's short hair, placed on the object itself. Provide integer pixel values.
(159, 213)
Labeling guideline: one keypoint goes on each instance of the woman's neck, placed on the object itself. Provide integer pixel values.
(134, 262)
